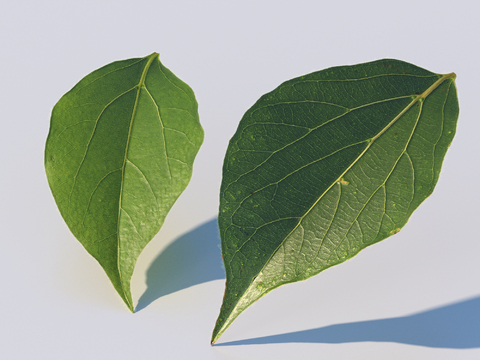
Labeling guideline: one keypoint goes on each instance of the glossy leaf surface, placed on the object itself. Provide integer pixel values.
(119, 153)
(324, 166)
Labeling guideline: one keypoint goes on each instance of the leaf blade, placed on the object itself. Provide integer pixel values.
(106, 159)
(344, 117)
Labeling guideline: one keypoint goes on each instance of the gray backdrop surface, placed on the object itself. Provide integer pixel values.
(414, 296)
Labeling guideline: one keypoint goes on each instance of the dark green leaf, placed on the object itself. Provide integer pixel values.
(119, 153)
(324, 166)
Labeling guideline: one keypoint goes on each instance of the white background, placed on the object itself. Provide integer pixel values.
(413, 296)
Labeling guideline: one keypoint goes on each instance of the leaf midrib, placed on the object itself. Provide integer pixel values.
(347, 110)
(404, 152)
(419, 97)
(139, 88)
(370, 142)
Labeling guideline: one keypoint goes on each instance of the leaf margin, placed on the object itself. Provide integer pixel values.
(219, 330)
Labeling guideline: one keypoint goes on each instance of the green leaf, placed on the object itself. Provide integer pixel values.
(119, 153)
(324, 166)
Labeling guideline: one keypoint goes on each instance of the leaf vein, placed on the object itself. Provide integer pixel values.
(145, 178)
(88, 145)
(110, 72)
(163, 131)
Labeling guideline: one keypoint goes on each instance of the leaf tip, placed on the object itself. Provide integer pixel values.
(153, 55)
(131, 308)
(217, 332)
(128, 302)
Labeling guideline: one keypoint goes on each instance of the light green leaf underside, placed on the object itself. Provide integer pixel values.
(324, 166)
(119, 153)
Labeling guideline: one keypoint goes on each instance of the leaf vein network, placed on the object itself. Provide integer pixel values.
(441, 128)
(171, 82)
(88, 144)
(307, 133)
(105, 238)
(356, 79)
(253, 233)
(70, 126)
(93, 192)
(163, 131)
(295, 171)
(134, 226)
(110, 72)
(145, 178)
(382, 184)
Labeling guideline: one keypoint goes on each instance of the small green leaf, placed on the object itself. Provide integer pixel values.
(119, 153)
(324, 166)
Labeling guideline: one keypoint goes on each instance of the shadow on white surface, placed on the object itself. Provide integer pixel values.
(193, 258)
(454, 326)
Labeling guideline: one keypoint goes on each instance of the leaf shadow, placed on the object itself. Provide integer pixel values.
(454, 326)
(191, 259)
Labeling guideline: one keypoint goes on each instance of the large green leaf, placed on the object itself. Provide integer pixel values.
(119, 153)
(324, 166)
